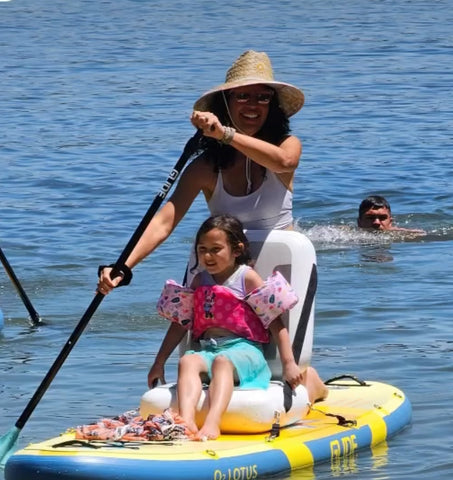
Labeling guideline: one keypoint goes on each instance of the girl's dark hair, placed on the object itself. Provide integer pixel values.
(235, 235)
(275, 130)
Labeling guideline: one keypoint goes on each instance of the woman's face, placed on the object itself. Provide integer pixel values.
(249, 107)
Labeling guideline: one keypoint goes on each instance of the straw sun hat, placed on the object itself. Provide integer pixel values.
(253, 68)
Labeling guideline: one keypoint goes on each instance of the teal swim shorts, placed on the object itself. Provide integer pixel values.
(247, 357)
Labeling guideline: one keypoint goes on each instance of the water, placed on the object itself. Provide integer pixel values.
(95, 99)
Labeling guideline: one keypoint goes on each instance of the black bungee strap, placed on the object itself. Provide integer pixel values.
(76, 443)
(342, 421)
(96, 444)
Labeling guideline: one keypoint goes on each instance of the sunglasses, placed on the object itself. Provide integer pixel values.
(260, 98)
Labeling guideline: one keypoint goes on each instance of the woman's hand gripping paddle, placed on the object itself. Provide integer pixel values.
(8, 441)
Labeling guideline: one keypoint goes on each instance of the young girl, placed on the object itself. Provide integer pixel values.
(230, 310)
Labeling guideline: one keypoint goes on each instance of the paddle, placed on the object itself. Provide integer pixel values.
(7, 441)
(34, 316)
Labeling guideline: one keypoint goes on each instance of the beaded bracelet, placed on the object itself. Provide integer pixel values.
(228, 134)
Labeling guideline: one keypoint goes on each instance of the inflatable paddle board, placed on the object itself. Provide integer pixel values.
(255, 441)
(355, 415)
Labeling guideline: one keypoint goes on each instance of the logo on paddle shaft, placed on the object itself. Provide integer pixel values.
(168, 184)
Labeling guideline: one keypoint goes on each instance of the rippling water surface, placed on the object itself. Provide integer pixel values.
(95, 99)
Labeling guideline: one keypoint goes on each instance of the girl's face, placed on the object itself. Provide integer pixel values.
(249, 107)
(215, 254)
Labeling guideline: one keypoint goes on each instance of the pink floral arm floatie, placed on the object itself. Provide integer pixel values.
(176, 304)
(273, 298)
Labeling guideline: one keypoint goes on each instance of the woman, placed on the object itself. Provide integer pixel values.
(248, 167)
(247, 170)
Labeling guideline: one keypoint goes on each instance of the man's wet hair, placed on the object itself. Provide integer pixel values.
(373, 202)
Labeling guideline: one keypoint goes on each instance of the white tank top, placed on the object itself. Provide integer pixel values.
(236, 282)
(268, 208)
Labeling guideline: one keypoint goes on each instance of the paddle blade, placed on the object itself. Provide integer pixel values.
(7, 444)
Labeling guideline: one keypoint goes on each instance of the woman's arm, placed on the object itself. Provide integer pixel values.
(165, 221)
(194, 178)
(283, 158)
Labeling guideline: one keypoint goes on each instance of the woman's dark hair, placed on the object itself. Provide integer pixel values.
(275, 130)
(235, 235)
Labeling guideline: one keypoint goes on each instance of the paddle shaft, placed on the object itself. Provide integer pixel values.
(189, 149)
(34, 316)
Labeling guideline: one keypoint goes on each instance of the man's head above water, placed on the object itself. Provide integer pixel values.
(375, 214)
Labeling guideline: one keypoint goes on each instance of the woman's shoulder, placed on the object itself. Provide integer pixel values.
(292, 144)
(200, 172)
(201, 166)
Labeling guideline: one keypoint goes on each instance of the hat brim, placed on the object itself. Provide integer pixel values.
(290, 98)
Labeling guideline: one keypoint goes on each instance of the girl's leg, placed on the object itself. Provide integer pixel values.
(315, 386)
(220, 392)
(189, 387)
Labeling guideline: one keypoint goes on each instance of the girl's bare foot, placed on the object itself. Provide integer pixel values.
(191, 426)
(208, 432)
